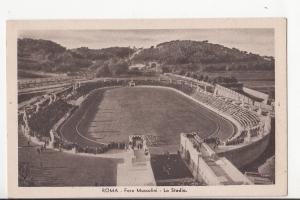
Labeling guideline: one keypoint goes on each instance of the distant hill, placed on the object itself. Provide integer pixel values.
(202, 55)
(178, 56)
(45, 55)
(105, 53)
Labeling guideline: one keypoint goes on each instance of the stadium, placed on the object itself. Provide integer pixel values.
(98, 117)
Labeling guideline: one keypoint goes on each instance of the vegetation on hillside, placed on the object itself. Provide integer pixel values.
(103, 54)
(48, 56)
(112, 67)
(180, 56)
(44, 55)
(190, 55)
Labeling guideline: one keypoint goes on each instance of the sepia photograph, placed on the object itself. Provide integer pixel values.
(168, 107)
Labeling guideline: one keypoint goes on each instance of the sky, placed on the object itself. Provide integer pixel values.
(259, 41)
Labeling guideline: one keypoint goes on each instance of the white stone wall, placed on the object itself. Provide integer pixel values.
(226, 92)
(258, 94)
(198, 166)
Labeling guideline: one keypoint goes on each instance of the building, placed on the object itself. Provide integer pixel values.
(206, 165)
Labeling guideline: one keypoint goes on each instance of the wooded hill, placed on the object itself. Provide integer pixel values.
(45, 55)
(204, 56)
(175, 56)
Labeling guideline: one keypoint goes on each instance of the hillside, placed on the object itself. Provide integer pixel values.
(44, 55)
(201, 55)
(48, 56)
(104, 54)
(178, 56)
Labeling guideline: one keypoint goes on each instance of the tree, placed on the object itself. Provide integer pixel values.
(165, 69)
(188, 74)
(153, 65)
(193, 75)
(205, 78)
(233, 79)
(103, 71)
(200, 77)
(118, 67)
(181, 72)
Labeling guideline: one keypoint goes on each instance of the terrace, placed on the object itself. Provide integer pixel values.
(247, 119)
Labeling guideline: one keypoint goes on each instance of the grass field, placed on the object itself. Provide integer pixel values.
(114, 114)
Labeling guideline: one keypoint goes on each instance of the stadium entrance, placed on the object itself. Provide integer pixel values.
(136, 165)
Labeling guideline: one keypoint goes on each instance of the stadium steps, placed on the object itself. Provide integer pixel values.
(45, 176)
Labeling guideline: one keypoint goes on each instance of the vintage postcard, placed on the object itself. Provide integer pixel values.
(147, 108)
